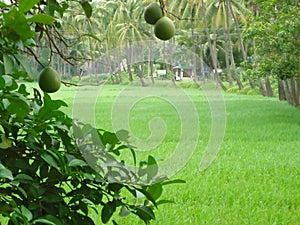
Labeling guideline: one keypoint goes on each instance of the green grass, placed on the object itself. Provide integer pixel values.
(254, 180)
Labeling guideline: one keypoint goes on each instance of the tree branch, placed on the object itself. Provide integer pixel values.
(69, 84)
(31, 52)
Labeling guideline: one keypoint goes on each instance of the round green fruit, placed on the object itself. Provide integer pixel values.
(152, 13)
(49, 80)
(164, 28)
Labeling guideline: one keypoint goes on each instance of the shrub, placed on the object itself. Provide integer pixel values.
(234, 89)
(44, 178)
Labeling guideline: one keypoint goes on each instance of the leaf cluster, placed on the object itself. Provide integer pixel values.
(275, 32)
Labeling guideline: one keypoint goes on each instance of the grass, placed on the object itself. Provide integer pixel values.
(254, 180)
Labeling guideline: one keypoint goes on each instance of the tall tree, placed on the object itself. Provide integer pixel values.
(210, 47)
(276, 33)
(218, 14)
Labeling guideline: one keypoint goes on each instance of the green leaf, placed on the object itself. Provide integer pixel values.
(10, 83)
(48, 219)
(110, 138)
(26, 65)
(2, 83)
(78, 134)
(26, 5)
(66, 139)
(53, 104)
(87, 8)
(123, 135)
(124, 211)
(176, 181)
(23, 178)
(44, 221)
(51, 7)
(23, 192)
(92, 36)
(134, 156)
(16, 24)
(5, 142)
(152, 168)
(148, 195)
(5, 173)
(42, 18)
(160, 202)
(26, 212)
(114, 187)
(155, 190)
(145, 213)
(107, 211)
(18, 106)
(77, 162)
(22, 90)
(8, 64)
(50, 160)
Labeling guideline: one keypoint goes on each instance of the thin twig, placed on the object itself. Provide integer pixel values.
(163, 8)
(34, 56)
(53, 44)
(68, 84)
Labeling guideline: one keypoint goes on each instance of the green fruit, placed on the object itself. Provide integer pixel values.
(152, 13)
(49, 80)
(164, 28)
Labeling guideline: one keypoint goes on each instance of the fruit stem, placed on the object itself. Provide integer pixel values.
(162, 6)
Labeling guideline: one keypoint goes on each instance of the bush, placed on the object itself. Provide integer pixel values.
(253, 92)
(44, 178)
(234, 89)
(244, 90)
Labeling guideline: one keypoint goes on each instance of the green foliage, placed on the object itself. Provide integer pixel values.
(44, 178)
(275, 32)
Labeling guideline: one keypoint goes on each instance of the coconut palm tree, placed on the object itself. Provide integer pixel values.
(213, 53)
(127, 27)
(219, 16)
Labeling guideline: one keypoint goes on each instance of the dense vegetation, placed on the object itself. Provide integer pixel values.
(254, 43)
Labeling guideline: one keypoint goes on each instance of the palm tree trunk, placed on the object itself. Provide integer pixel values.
(142, 69)
(129, 57)
(242, 47)
(210, 47)
(261, 87)
(171, 45)
(287, 92)
(194, 54)
(236, 76)
(201, 60)
(150, 64)
(237, 26)
(281, 93)
(226, 35)
(194, 72)
(269, 87)
(115, 72)
(294, 91)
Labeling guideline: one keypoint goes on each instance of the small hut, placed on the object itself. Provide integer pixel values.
(185, 72)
